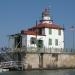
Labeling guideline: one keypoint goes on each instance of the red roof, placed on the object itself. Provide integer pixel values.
(46, 25)
(29, 32)
(33, 31)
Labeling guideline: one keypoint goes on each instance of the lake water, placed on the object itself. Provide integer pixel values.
(41, 72)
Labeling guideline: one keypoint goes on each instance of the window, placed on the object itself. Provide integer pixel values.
(33, 40)
(50, 31)
(50, 41)
(56, 42)
(59, 32)
(40, 43)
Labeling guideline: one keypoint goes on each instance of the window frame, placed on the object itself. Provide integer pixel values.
(56, 42)
(50, 41)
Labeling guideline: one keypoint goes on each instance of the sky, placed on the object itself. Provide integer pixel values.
(16, 15)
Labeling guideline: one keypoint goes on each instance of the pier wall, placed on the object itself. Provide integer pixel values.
(66, 60)
(59, 60)
(48, 61)
(31, 61)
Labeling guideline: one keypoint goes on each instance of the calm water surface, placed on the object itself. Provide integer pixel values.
(43, 72)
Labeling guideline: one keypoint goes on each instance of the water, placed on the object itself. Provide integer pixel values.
(43, 72)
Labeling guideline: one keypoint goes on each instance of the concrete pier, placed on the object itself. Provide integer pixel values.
(49, 61)
(40, 59)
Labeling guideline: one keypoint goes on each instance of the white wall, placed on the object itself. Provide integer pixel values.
(38, 38)
(46, 38)
(54, 36)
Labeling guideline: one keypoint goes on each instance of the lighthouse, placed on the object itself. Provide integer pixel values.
(49, 34)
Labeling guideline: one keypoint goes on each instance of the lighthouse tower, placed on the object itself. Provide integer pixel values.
(46, 17)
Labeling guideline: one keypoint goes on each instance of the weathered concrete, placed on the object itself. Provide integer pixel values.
(31, 61)
(48, 61)
(65, 60)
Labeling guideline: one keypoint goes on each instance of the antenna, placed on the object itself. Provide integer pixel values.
(50, 12)
(72, 28)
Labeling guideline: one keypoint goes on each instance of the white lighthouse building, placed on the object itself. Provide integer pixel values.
(45, 34)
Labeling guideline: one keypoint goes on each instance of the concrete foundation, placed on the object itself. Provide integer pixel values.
(48, 61)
